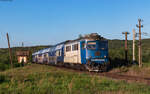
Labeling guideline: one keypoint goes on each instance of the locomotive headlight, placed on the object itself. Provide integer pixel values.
(104, 56)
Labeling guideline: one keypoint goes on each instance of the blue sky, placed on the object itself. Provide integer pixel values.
(45, 22)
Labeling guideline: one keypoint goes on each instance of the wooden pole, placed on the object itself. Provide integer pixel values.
(10, 56)
(140, 43)
(126, 45)
(133, 45)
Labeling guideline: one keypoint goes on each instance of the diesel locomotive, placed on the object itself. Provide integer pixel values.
(89, 51)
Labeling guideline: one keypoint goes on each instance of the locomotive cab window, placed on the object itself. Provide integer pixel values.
(91, 45)
(68, 48)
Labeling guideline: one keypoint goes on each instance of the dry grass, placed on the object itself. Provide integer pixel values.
(134, 70)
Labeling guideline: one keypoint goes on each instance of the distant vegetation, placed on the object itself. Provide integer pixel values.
(116, 52)
(4, 55)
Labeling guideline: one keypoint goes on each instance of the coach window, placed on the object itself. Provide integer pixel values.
(59, 52)
(74, 47)
(44, 55)
(47, 54)
(68, 48)
(40, 55)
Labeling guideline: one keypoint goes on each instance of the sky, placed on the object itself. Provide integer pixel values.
(48, 22)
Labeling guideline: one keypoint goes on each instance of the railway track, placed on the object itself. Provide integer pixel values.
(127, 78)
(115, 76)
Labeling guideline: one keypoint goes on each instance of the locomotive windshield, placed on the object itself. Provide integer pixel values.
(91, 45)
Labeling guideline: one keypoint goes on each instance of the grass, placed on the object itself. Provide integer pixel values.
(134, 70)
(41, 79)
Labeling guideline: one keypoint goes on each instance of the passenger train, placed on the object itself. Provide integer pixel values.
(89, 51)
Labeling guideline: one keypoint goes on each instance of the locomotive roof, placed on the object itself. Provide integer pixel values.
(93, 36)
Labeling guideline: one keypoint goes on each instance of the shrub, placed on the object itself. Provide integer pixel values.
(2, 78)
(4, 66)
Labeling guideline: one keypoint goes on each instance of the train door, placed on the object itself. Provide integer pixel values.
(83, 52)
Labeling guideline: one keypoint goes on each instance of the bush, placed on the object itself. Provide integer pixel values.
(4, 66)
(2, 78)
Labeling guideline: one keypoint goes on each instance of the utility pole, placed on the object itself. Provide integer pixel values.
(133, 45)
(126, 45)
(140, 44)
(10, 56)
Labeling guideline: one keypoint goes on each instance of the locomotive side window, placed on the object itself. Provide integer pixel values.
(74, 47)
(103, 45)
(68, 48)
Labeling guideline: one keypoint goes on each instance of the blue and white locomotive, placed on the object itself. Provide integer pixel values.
(90, 51)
